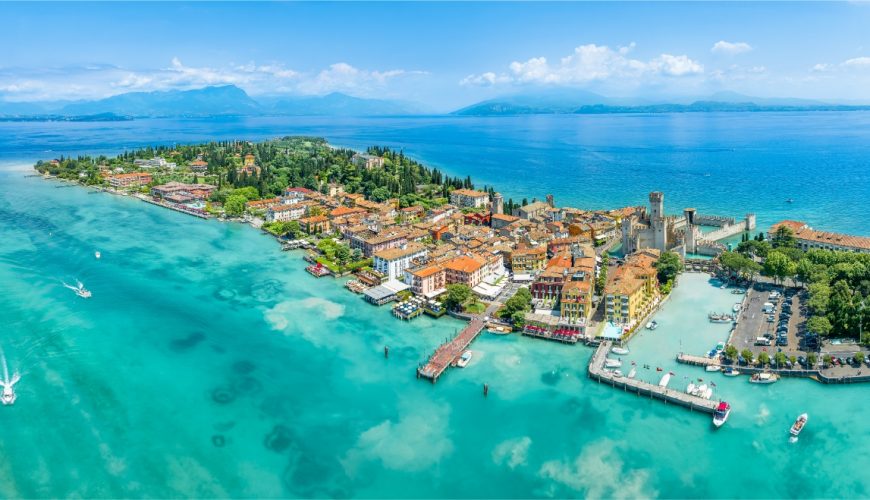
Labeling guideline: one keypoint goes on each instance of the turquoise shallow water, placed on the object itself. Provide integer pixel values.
(209, 364)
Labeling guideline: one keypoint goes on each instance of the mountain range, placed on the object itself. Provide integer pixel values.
(224, 100)
(229, 100)
(584, 102)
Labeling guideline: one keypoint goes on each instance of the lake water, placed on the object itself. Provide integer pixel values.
(209, 364)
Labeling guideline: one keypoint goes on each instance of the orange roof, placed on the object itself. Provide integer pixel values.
(427, 271)
(794, 225)
(338, 212)
(505, 217)
(463, 264)
(469, 192)
(131, 175)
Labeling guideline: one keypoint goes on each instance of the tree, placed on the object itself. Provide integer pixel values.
(783, 237)
(248, 192)
(763, 359)
(235, 205)
(668, 265)
(778, 266)
(730, 353)
(780, 359)
(812, 359)
(841, 309)
(342, 254)
(859, 357)
(457, 294)
(747, 355)
(827, 359)
(820, 325)
(518, 304)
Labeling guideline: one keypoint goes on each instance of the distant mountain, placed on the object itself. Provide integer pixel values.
(590, 103)
(209, 101)
(337, 104)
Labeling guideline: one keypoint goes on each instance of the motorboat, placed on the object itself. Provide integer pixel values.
(632, 373)
(707, 393)
(464, 359)
(612, 363)
(97, 254)
(720, 415)
(713, 368)
(737, 307)
(701, 390)
(79, 290)
(665, 379)
(617, 373)
(763, 378)
(738, 291)
(799, 424)
(730, 372)
(652, 325)
(621, 351)
(7, 397)
(691, 388)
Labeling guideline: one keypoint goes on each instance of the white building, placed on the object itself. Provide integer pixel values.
(393, 261)
(467, 198)
(285, 212)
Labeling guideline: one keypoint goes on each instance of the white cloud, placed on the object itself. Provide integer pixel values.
(589, 63)
(599, 472)
(97, 81)
(821, 68)
(857, 62)
(730, 48)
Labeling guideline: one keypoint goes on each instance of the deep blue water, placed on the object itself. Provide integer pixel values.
(722, 163)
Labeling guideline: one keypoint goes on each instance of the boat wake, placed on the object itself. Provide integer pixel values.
(793, 439)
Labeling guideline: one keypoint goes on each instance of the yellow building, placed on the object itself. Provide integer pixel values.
(576, 300)
(527, 260)
(631, 292)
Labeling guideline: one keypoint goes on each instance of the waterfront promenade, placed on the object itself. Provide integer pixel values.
(597, 372)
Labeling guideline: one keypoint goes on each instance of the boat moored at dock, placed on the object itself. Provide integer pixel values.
(665, 379)
(620, 351)
(464, 359)
(652, 325)
(612, 363)
(730, 372)
(763, 378)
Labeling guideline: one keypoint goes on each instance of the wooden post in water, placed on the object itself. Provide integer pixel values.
(386, 351)
(485, 390)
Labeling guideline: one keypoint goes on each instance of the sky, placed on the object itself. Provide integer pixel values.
(444, 55)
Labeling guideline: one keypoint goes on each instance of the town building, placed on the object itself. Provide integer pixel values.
(282, 213)
(534, 210)
(528, 259)
(367, 161)
(465, 270)
(129, 180)
(631, 291)
(808, 238)
(427, 281)
(468, 198)
(393, 262)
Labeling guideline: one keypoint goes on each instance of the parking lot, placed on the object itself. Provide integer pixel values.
(782, 325)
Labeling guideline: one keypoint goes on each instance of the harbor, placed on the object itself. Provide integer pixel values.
(597, 372)
(449, 352)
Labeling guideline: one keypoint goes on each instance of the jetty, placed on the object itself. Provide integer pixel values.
(449, 352)
(597, 372)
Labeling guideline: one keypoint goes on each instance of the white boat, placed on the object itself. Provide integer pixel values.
(737, 307)
(763, 378)
(799, 424)
(701, 390)
(617, 373)
(7, 397)
(691, 388)
(665, 379)
(97, 254)
(713, 368)
(730, 372)
(612, 363)
(80, 290)
(720, 416)
(464, 359)
(708, 393)
(621, 351)
(632, 373)
(652, 325)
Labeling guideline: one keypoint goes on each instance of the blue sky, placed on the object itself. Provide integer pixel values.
(442, 54)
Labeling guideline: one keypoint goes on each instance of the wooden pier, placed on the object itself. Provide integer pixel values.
(450, 351)
(596, 372)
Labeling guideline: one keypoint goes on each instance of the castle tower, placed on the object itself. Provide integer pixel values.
(497, 203)
(690, 243)
(657, 220)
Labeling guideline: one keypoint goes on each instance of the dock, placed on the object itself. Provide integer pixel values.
(596, 372)
(450, 351)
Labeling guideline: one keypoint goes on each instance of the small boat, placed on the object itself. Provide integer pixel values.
(720, 416)
(632, 373)
(621, 351)
(80, 290)
(799, 424)
(8, 396)
(612, 363)
(730, 372)
(464, 359)
(97, 254)
(738, 291)
(691, 388)
(789, 200)
(700, 390)
(708, 393)
(617, 373)
(713, 368)
(763, 378)
(652, 325)
(737, 307)
(665, 379)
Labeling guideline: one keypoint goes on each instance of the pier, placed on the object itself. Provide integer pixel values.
(450, 351)
(815, 374)
(653, 391)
